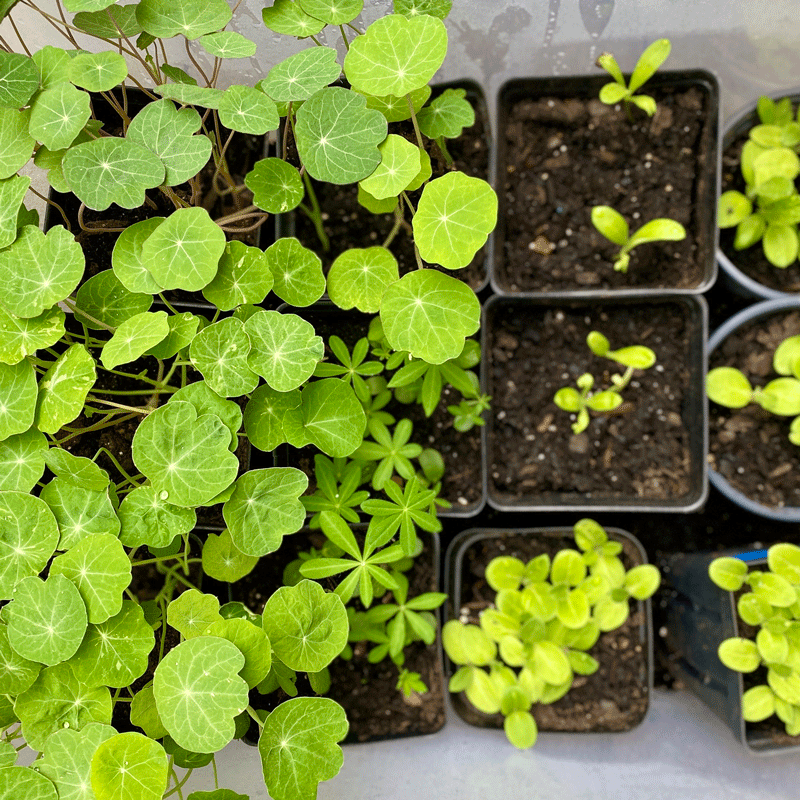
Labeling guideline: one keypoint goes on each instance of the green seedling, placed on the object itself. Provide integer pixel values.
(614, 227)
(533, 641)
(731, 388)
(771, 606)
(582, 400)
(411, 683)
(647, 65)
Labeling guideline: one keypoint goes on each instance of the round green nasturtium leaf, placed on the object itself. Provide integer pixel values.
(396, 109)
(520, 729)
(223, 561)
(189, 94)
(184, 251)
(20, 337)
(39, 270)
(288, 17)
(111, 23)
(19, 79)
(98, 72)
(296, 271)
(248, 110)
(338, 136)
(359, 277)
(447, 115)
(332, 12)
(192, 612)
(146, 518)
(373, 205)
(504, 572)
(112, 170)
(63, 389)
(170, 134)
(144, 713)
(264, 507)
(12, 193)
(301, 75)
(198, 692)
(53, 64)
(129, 766)
(68, 758)
(80, 511)
(228, 44)
(263, 416)
(134, 337)
(164, 19)
(100, 569)
(184, 455)
(396, 55)
(17, 673)
(253, 643)
(23, 782)
(28, 537)
(467, 644)
(16, 144)
(400, 164)
(126, 258)
(207, 401)
(455, 216)
(18, 391)
(277, 186)
(8, 754)
(182, 329)
(115, 652)
(58, 115)
(46, 619)
(105, 298)
(77, 470)
(758, 703)
(642, 581)
(784, 560)
(284, 349)
(739, 654)
(220, 352)
(298, 746)
(429, 314)
(243, 275)
(330, 416)
(411, 8)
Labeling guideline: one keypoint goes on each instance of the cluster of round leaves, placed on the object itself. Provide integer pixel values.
(547, 614)
(769, 209)
(772, 606)
(731, 388)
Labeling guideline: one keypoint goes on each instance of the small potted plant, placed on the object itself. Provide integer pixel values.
(543, 647)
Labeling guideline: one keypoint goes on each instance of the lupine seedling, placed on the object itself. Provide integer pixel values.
(547, 614)
(771, 606)
(582, 400)
(731, 388)
(647, 65)
(615, 228)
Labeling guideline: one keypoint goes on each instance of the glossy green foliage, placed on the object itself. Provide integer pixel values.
(647, 65)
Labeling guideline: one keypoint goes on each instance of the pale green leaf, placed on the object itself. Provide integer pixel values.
(248, 110)
(223, 561)
(228, 44)
(58, 115)
(17, 398)
(297, 272)
(111, 23)
(287, 17)
(53, 64)
(206, 401)
(277, 186)
(16, 144)
(105, 298)
(182, 329)
(243, 275)
(263, 416)
(134, 337)
(17, 674)
(447, 115)
(78, 470)
(359, 277)
(253, 643)
(12, 193)
(22, 461)
(333, 12)
(396, 109)
(411, 8)
(220, 353)
(98, 72)
(80, 511)
(22, 783)
(302, 74)
(188, 94)
(146, 518)
(165, 19)
(400, 164)
(129, 766)
(19, 79)
(192, 612)
(126, 258)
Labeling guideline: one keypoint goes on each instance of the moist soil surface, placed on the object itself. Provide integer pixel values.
(561, 157)
(640, 451)
(750, 447)
(375, 708)
(348, 224)
(615, 698)
(752, 261)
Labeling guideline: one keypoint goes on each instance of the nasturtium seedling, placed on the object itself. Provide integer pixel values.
(221, 353)
(276, 186)
(146, 518)
(301, 75)
(20, 337)
(129, 766)
(400, 164)
(263, 416)
(447, 115)
(126, 258)
(243, 276)
(248, 110)
(17, 781)
(135, 336)
(104, 298)
(359, 277)
(297, 272)
(223, 561)
(20, 79)
(164, 19)
(18, 392)
(288, 17)
(193, 612)
(16, 144)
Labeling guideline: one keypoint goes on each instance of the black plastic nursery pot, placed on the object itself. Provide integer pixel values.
(376, 709)
(560, 151)
(700, 616)
(616, 698)
(348, 224)
(647, 455)
(751, 460)
(747, 272)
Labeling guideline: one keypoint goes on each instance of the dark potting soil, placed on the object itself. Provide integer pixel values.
(641, 450)
(375, 708)
(348, 224)
(565, 156)
(750, 446)
(751, 261)
(615, 698)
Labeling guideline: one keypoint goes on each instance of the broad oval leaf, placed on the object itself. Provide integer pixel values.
(338, 136)
(301, 75)
(104, 297)
(447, 115)
(146, 518)
(253, 643)
(245, 109)
(455, 216)
(18, 391)
(264, 507)
(165, 19)
(220, 352)
(58, 115)
(22, 782)
(429, 314)
(228, 44)
(296, 272)
(19, 79)
(126, 258)
(16, 144)
(263, 416)
(224, 561)
(276, 186)
(129, 766)
(198, 692)
(396, 55)
(80, 511)
(184, 455)
(112, 170)
(20, 337)
(243, 275)
(359, 277)
(134, 337)
(98, 72)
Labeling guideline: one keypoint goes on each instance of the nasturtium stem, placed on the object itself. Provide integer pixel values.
(414, 121)
(315, 214)
(252, 712)
(175, 557)
(398, 222)
(54, 204)
(70, 304)
(109, 454)
(109, 421)
(141, 410)
(344, 38)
